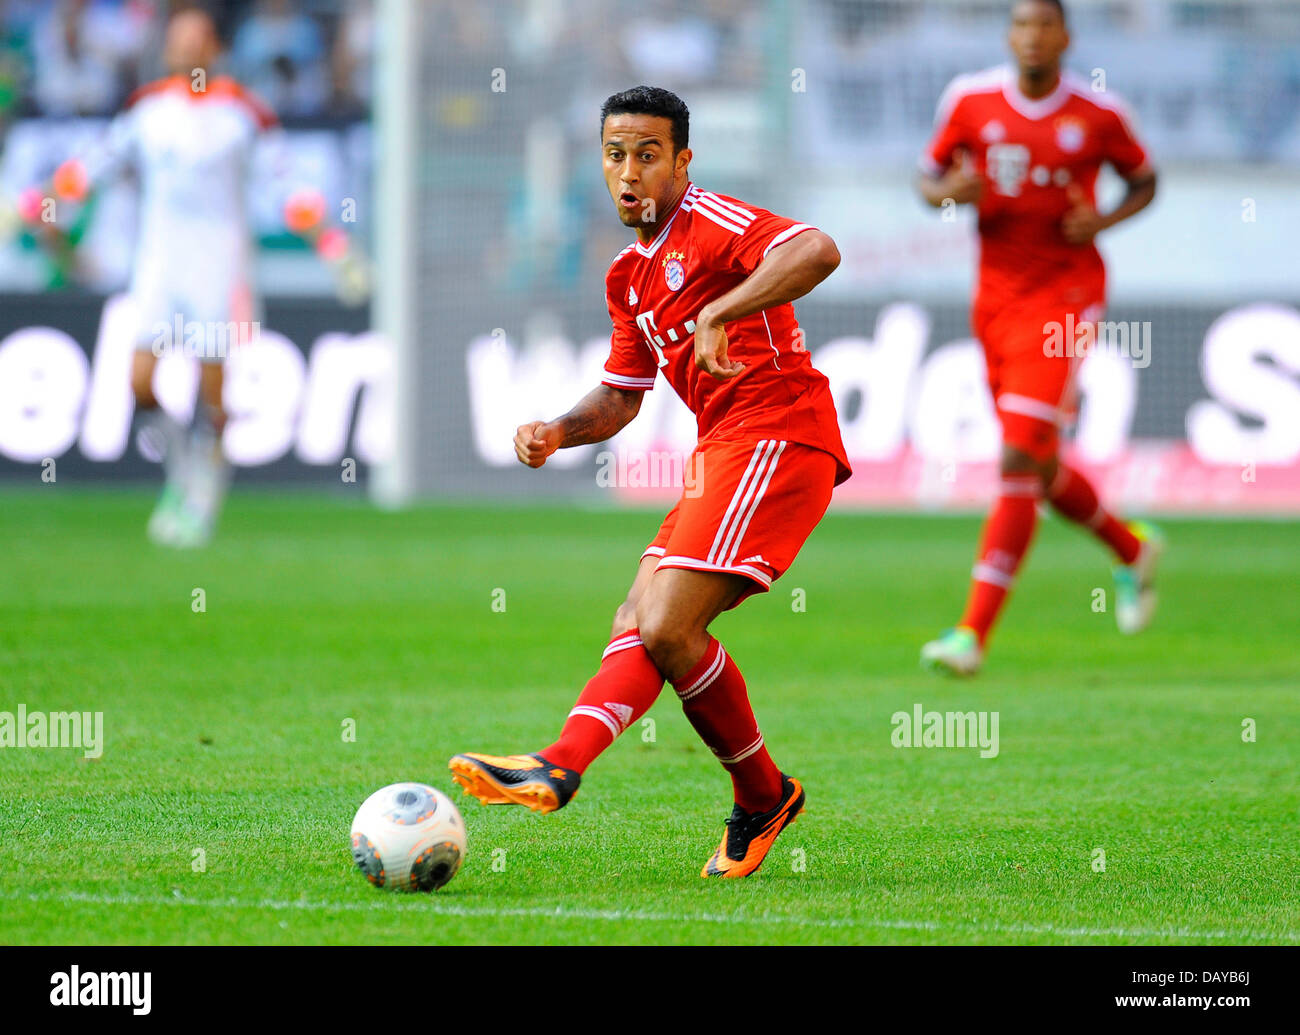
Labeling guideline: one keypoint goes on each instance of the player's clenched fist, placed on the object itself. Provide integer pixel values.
(1081, 222)
(535, 441)
(962, 183)
(711, 351)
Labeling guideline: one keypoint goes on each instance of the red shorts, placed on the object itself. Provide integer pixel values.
(1032, 354)
(747, 508)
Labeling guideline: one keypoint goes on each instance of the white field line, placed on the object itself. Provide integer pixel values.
(431, 904)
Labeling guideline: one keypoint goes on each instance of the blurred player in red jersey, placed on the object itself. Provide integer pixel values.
(703, 297)
(1024, 144)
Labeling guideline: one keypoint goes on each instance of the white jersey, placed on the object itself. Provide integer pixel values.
(192, 151)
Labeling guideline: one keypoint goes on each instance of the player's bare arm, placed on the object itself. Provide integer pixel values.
(1082, 222)
(960, 184)
(789, 272)
(602, 413)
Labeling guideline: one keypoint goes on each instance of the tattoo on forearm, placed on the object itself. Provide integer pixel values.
(600, 415)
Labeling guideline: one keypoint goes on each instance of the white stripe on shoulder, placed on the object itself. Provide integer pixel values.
(703, 208)
(986, 80)
(1105, 99)
(620, 255)
(741, 215)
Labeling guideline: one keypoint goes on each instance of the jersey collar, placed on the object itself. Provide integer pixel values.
(1032, 108)
(649, 250)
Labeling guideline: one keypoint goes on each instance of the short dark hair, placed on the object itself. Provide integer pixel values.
(1058, 4)
(651, 100)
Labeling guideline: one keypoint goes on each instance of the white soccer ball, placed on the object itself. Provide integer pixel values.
(408, 837)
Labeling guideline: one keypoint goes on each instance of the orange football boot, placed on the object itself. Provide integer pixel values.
(527, 780)
(750, 835)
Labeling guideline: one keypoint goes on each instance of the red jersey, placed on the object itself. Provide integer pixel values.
(1029, 152)
(655, 293)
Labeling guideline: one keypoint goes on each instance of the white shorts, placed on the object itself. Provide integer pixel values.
(203, 311)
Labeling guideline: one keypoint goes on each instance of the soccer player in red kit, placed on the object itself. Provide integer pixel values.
(702, 297)
(1024, 144)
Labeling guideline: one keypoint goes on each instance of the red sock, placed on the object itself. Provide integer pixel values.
(1006, 538)
(615, 697)
(1074, 498)
(715, 701)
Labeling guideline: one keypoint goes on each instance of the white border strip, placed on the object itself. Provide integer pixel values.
(387, 905)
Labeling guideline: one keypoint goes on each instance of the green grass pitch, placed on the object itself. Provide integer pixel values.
(219, 809)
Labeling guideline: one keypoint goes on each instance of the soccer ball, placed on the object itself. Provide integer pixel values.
(408, 837)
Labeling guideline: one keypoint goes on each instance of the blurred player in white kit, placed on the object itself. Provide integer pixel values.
(190, 137)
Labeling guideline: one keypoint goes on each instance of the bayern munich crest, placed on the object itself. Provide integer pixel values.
(1069, 134)
(674, 271)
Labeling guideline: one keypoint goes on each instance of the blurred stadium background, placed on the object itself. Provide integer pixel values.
(458, 142)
